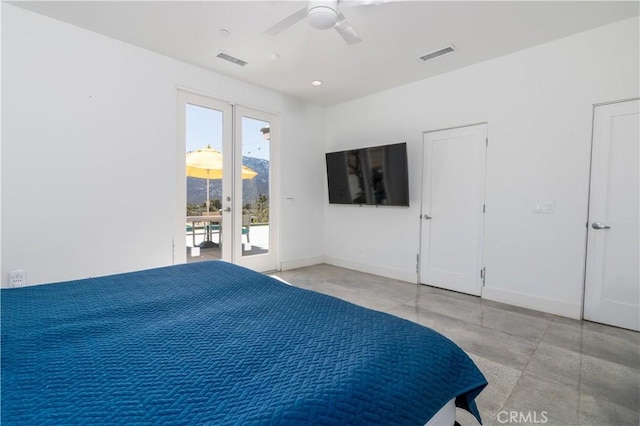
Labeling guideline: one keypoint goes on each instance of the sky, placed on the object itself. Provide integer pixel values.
(204, 128)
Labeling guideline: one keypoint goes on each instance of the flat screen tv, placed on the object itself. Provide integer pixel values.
(369, 176)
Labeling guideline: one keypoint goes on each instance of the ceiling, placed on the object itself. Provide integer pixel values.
(394, 34)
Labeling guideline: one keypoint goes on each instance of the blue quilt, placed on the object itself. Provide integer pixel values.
(213, 343)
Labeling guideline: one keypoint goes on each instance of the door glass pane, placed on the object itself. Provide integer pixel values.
(256, 150)
(204, 182)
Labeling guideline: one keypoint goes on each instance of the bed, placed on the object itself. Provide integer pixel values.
(214, 343)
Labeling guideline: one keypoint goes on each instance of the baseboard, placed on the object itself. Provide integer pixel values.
(300, 263)
(396, 274)
(550, 306)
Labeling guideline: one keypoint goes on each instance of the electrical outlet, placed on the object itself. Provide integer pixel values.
(17, 278)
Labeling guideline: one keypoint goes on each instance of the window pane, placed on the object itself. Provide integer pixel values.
(204, 182)
(255, 186)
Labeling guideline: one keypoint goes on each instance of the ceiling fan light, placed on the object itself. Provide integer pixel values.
(322, 17)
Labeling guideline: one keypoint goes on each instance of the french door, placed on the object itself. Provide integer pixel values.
(453, 208)
(227, 183)
(612, 281)
(255, 217)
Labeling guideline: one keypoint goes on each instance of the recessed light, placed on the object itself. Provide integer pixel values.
(316, 83)
(274, 56)
(224, 33)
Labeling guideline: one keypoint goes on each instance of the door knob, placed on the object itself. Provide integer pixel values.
(598, 225)
(426, 217)
(228, 209)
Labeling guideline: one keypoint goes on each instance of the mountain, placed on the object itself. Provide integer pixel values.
(251, 188)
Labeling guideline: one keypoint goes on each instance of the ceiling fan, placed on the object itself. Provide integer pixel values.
(322, 14)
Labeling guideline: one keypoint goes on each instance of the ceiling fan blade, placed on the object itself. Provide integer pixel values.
(349, 3)
(287, 22)
(345, 29)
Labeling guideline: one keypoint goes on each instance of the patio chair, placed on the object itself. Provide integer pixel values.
(246, 225)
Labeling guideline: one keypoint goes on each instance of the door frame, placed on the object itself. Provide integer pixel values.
(231, 127)
(484, 194)
(589, 192)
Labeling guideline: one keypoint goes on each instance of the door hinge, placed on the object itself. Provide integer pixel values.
(417, 263)
(484, 208)
(486, 142)
(483, 275)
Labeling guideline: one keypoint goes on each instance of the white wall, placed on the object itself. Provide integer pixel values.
(538, 105)
(89, 157)
(89, 153)
(0, 147)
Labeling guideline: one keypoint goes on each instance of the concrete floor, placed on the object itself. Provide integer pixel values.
(541, 368)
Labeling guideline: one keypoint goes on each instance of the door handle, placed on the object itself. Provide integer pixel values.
(426, 217)
(228, 209)
(598, 225)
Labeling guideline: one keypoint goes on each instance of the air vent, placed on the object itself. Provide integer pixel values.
(437, 53)
(232, 59)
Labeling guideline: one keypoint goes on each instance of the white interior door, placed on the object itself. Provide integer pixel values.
(612, 281)
(453, 208)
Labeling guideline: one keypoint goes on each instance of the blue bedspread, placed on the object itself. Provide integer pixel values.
(218, 344)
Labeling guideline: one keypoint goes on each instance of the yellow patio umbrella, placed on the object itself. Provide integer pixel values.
(206, 163)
